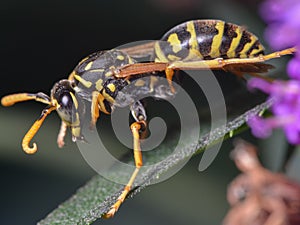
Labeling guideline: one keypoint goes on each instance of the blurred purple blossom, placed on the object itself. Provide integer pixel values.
(283, 18)
(283, 31)
(286, 109)
(294, 67)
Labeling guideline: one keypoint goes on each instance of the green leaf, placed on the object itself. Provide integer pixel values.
(96, 197)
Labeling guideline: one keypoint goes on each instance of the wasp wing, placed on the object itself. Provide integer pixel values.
(257, 67)
(141, 50)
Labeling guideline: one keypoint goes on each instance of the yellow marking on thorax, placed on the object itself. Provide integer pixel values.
(247, 46)
(99, 84)
(139, 83)
(217, 40)
(109, 73)
(88, 66)
(193, 42)
(84, 59)
(120, 57)
(160, 55)
(97, 70)
(175, 42)
(74, 100)
(84, 82)
(111, 87)
(235, 43)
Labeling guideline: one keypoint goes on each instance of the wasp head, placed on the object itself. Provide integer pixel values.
(67, 105)
(63, 100)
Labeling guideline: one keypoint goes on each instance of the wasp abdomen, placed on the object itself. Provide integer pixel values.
(207, 39)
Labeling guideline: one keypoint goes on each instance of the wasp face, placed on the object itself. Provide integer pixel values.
(63, 97)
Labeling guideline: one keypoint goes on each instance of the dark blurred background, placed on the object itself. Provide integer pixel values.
(41, 42)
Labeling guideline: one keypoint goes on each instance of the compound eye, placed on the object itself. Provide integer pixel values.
(66, 101)
(63, 95)
(66, 107)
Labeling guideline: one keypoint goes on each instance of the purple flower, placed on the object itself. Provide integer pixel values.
(294, 67)
(283, 31)
(286, 109)
(283, 18)
(261, 128)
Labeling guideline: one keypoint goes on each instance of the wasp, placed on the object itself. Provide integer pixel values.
(101, 77)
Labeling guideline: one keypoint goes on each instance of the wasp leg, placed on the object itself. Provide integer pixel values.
(288, 51)
(94, 108)
(97, 106)
(10, 100)
(220, 63)
(169, 75)
(34, 129)
(62, 134)
(138, 111)
(136, 128)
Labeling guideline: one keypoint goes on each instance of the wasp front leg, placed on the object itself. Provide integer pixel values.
(137, 128)
(99, 103)
(94, 108)
(62, 134)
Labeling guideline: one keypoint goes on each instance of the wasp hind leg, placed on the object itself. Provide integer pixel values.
(137, 129)
(252, 64)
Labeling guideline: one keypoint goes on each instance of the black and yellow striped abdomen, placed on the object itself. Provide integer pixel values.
(207, 39)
